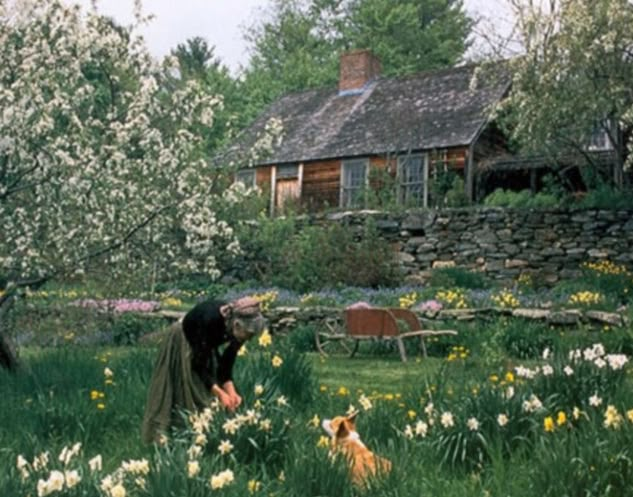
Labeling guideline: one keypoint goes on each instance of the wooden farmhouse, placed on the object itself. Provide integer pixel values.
(338, 143)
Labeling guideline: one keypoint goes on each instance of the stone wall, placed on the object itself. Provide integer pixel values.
(550, 245)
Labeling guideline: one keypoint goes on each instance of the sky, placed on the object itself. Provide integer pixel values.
(222, 22)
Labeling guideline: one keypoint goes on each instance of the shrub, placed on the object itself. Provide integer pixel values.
(284, 254)
(126, 329)
(458, 277)
(606, 197)
(523, 199)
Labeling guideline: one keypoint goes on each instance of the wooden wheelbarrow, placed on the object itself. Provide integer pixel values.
(373, 323)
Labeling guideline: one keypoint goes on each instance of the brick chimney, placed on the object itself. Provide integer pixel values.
(357, 68)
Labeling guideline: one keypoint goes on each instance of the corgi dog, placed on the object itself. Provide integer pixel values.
(345, 440)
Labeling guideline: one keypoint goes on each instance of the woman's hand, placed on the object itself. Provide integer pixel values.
(229, 388)
(225, 399)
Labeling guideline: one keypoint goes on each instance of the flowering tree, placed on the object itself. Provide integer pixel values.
(575, 75)
(100, 162)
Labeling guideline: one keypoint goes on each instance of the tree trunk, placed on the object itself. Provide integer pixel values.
(8, 357)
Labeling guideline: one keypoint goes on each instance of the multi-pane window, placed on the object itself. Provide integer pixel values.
(353, 182)
(599, 138)
(246, 177)
(412, 173)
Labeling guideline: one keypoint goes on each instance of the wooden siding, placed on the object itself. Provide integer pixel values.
(454, 158)
(262, 177)
(320, 188)
(321, 184)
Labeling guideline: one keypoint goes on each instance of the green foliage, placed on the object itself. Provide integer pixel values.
(606, 197)
(312, 474)
(297, 45)
(508, 451)
(613, 283)
(301, 338)
(574, 77)
(592, 375)
(522, 200)
(525, 339)
(306, 258)
(294, 378)
(452, 277)
(395, 30)
(446, 188)
(381, 194)
(582, 461)
(127, 328)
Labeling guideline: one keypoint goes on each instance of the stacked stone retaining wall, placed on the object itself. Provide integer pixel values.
(550, 245)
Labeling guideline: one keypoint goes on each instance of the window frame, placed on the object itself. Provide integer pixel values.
(347, 199)
(600, 131)
(287, 171)
(405, 187)
(239, 177)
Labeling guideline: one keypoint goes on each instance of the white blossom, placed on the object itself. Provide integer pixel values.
(472, 424)
(594, 400)
(447, 420)
(98, 177)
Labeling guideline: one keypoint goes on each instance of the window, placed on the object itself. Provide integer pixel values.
(599, 138)
(287, 172)
(353, 182)
(246, 177)
(412, 175)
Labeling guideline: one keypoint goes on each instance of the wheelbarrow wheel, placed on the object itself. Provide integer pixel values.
(331, 339)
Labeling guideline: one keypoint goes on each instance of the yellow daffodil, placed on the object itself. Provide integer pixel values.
(323, 441)
(265, 339)
(548, 424)
(254, 486)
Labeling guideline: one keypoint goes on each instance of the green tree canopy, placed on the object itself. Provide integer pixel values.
(298, 45)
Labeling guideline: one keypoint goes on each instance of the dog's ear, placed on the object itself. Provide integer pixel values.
(342, 431)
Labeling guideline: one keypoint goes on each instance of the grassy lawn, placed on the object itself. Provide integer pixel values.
(369, 374)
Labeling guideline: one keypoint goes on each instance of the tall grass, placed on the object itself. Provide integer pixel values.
(450, 427)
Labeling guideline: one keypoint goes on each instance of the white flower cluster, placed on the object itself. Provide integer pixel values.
(56, 479)
(132, 472)
(595, 355)
(222, 479)
(532, 404)
(94, 171)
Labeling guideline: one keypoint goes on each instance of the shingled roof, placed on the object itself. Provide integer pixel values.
(429, 110)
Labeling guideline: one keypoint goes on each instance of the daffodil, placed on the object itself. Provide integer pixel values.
(265, 339)
(225, 447)
(193, 468)
(323, 441)
(254, 486)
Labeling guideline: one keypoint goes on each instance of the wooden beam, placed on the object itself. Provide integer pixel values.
(470, 173)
